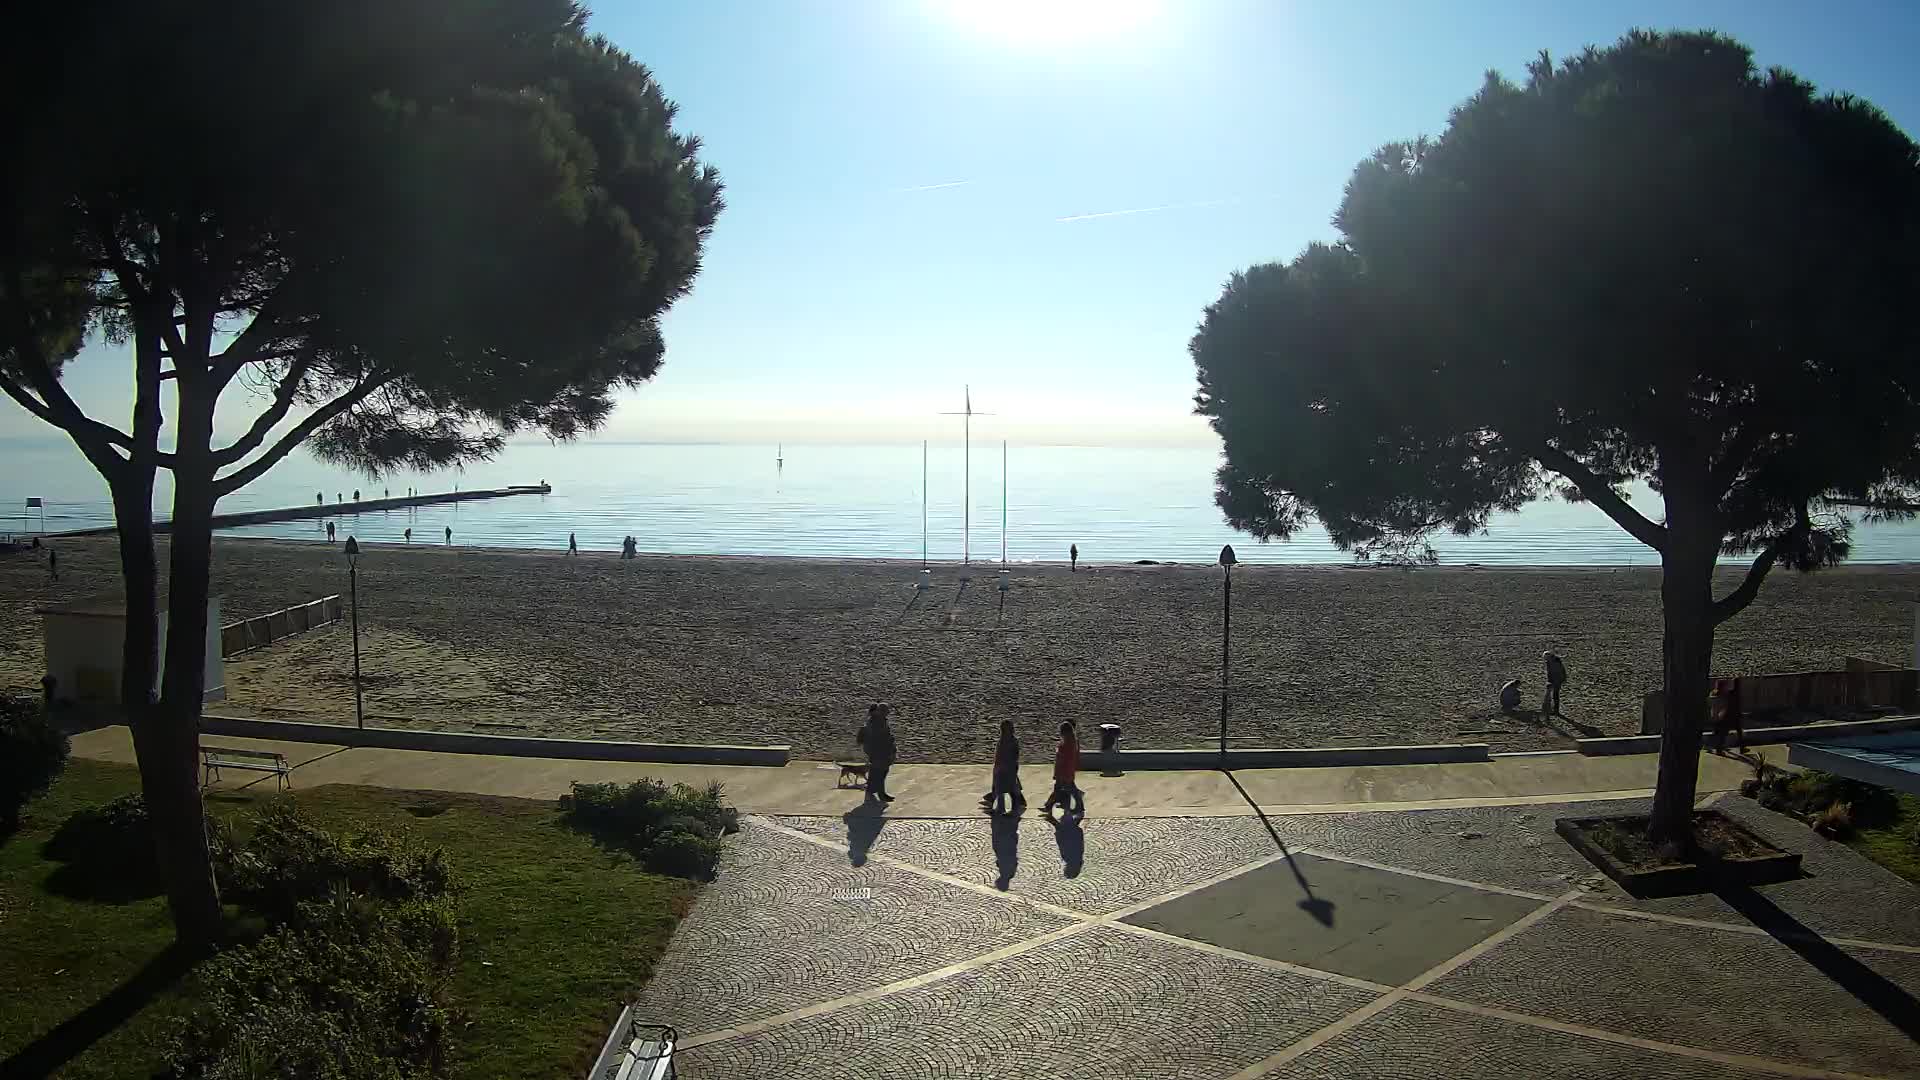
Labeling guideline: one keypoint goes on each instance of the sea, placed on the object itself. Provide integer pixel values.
(1023, 503)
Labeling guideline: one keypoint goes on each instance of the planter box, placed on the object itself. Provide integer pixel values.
(1702, 874)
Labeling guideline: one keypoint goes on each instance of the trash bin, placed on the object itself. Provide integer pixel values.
(1109, 738)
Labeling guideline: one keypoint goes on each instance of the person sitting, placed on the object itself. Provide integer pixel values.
(1510, 697)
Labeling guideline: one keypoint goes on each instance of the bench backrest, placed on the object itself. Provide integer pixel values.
(235, 752)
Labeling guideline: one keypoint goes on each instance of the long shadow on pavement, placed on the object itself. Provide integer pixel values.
(1321, 910)
(1868, 986)
(863, 826)
(47, 1054)
(1073, 844)
(1006, 849)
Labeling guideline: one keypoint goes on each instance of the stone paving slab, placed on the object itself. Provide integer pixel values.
(1417, 1039)
(1098, 867)
(789, 924)
(1735, 993)
(1370, 924)
(1511, 846)
(1098, 1005)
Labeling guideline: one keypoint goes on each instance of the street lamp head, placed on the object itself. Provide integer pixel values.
(352, 549)
(1227, 557)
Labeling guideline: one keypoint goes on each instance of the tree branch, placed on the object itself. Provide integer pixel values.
(97, 451)
(1736, 601)
(283, 396)
(315, 420)
(1727, 469)
(1601, 494)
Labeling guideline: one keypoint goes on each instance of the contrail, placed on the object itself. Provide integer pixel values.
(1145, 210)
(934, 187)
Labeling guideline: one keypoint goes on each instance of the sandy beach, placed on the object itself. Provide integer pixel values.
(783, 650)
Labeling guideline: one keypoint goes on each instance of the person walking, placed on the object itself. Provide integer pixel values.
(1066, 767)
(449, 534)
(329, 532)
(356, 494)
(1073, 558)
(573, 546)
(876, 738)
(53, 562)
(1556, 678)
(1006, 773)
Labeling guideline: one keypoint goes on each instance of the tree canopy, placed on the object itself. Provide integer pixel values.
(406, 228)
(1648, 262)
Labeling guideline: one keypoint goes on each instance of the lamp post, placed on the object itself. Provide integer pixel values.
(1227, 559)
(353, 591)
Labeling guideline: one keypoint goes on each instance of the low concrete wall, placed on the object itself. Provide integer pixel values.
(457, 742)
(1255, 758)
(1755, 736)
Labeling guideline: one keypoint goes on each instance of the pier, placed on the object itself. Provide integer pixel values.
(335, 509)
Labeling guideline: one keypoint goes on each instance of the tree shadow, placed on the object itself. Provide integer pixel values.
(100, 862)
(1006, 849)
(1867, 986)
(1320, 908)
(863, 826)
(46, 1055)
(1073, 844)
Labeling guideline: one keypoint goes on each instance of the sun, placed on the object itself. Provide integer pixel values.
(1049, 21)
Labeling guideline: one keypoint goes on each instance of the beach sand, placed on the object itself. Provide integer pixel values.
(750, 650)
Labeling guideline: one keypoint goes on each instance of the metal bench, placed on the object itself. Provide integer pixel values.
(636, 1051)
(215, 758)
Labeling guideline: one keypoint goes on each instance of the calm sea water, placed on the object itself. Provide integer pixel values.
(1117, 504)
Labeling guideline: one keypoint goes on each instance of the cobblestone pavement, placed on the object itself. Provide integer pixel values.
(839, 948)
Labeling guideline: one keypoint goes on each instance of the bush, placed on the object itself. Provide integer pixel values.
(673, 830)
(289, 859)
(1834, 821)
(1811, 794)
(32, 753)
(350, 988)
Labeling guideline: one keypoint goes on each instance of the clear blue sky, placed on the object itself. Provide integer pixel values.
(907, 181)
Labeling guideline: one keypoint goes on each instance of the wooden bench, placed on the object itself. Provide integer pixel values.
(215, 758)
(636, 1051)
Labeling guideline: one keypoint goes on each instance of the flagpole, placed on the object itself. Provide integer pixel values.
(966, 485)
(1003, 502)
(923, 504)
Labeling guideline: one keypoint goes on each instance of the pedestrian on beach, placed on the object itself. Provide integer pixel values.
(1556, 678)
(407, 535)
(319, 499)
(339, 497)
(1066, 767)
(876, 738)
(449, 534)
(573, 546)
(386, 493)
(329, 532)
(1006, 773)
(53, 563)
(1510, 696)
(1724, 706)
(356, 494)
(1073, 558)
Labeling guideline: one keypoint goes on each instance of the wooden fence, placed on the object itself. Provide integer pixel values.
(262, 630)
(1864, 684)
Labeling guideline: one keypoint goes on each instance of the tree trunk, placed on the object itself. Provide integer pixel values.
(1686, 602)
(164, 750)
(187, 866)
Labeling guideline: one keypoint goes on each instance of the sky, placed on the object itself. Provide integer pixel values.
(1037, 198)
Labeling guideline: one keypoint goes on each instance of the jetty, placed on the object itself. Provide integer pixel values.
(335, 509)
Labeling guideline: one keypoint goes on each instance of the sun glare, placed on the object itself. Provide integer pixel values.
(1049, 21)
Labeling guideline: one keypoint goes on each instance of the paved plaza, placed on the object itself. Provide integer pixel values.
(1464, 941)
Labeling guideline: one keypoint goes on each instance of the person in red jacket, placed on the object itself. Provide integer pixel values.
(1066, 766)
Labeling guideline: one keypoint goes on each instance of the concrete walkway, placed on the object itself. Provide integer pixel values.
(953, 791)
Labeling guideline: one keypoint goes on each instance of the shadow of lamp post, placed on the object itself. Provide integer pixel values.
(1227, 559)
(353, 591)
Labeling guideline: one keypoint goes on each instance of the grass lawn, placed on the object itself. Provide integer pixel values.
(1892, 845)
(555, 932)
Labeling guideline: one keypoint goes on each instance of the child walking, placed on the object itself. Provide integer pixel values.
(1066, 766)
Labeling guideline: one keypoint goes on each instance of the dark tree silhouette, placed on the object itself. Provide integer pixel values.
(1648, 262)
(404, 228)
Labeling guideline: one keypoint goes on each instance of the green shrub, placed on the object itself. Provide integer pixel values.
(290, 859)
(32, 753)
(684, 854)
(1835, 820)
(117, 835)
(673, 830)
(350, 988)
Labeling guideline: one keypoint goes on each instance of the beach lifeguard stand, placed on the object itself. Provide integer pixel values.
(84, 640)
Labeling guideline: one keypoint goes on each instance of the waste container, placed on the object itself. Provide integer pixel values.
(1109, 738)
